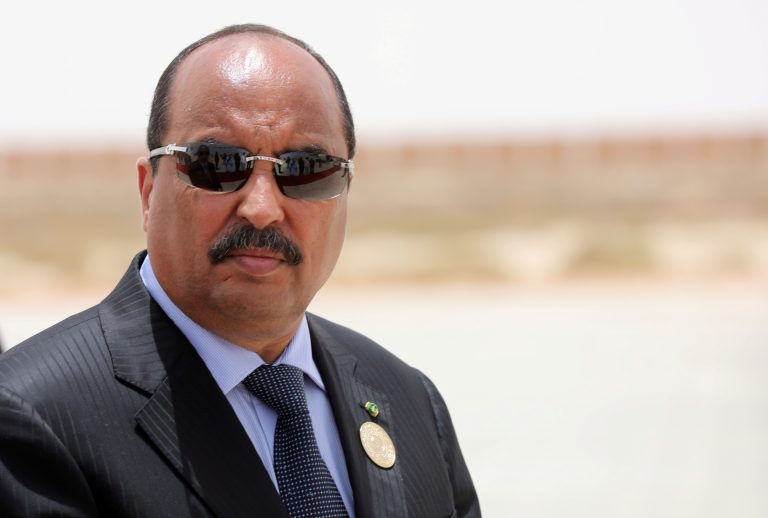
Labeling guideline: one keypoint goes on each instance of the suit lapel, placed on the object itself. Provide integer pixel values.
(186, 417)
(378, 492)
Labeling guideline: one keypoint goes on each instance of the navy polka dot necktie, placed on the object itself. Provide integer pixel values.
(306, 486)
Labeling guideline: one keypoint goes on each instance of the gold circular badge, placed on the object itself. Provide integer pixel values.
(377, 445)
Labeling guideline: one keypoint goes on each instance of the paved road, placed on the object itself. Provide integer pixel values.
(584, 401)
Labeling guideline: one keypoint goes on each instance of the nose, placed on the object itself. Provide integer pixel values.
(262, 201)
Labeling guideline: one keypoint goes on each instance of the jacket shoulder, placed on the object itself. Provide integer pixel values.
(57, 354)
(356, 344)
(65, 327)
(423, 428)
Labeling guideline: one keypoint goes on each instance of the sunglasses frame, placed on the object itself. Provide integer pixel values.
(170, 149)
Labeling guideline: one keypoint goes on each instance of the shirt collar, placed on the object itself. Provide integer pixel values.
(230, 363)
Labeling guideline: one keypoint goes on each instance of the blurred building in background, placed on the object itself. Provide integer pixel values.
(512, 211)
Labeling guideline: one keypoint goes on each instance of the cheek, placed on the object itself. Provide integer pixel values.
(184, 221)
(340, 225)
(202, 219)
(329, 233)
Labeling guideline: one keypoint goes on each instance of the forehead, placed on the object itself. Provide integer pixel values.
(259, 77)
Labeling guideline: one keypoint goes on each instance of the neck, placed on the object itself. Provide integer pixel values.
(266, 338)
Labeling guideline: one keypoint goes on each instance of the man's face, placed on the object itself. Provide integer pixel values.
(268, 96)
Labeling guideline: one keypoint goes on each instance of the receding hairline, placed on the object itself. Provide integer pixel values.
(159, 112)
(232, 44)
(312, 61)
(245, 35)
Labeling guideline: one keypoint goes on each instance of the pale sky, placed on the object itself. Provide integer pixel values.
(85, 71)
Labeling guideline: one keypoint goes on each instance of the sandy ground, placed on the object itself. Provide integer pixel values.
(585, 400)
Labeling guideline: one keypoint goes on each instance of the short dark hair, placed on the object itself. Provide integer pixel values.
(158, 116)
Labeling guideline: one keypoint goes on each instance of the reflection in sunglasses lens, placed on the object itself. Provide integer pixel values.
(299, 175)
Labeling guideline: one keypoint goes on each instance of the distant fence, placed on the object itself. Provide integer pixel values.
(709, 169)
(512, 209)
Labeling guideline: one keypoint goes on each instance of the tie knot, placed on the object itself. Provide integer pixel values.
(281, 387)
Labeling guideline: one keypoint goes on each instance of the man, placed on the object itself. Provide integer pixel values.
(201, 172)
(177, 395)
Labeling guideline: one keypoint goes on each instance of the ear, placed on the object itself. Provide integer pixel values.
(146, 182)
(349, 180)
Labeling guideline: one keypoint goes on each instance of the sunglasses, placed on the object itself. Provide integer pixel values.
(300, 175)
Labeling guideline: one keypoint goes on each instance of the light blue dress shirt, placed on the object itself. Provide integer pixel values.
(229, 364)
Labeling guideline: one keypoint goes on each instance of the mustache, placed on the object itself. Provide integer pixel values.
(249, 237)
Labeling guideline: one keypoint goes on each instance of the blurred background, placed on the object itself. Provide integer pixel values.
(560, 214)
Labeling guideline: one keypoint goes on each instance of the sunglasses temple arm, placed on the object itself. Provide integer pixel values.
(166, 150)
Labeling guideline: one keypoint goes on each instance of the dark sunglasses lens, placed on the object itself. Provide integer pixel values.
(307, 176)
(213, 167)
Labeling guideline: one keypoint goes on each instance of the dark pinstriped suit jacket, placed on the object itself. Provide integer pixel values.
(112, 413)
